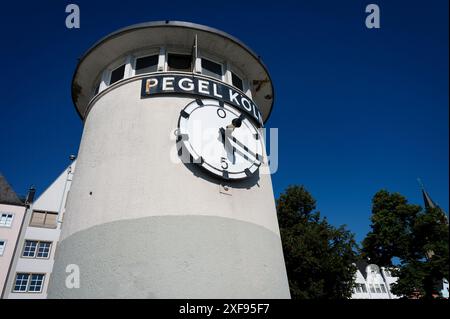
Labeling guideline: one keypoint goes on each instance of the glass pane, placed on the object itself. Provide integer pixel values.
(179, 62)
(21, 282)
(6, 220)
(383, 288)
(2, 247)
(237, 81)
(43, 249)
(50, 219)
(117, 74)
(363, 286)
(211, 68)
(29, 248)
(147, 64)
(36, 282)
(37, 218)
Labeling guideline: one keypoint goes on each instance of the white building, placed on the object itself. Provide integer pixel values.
(34, 258)
(444, 291)
(373, 282)
(12, 212)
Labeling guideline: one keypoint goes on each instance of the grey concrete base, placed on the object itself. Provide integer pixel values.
(172, 257)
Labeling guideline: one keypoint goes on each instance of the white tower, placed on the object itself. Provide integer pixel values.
(141, 222)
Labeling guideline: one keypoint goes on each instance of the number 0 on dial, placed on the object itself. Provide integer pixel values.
(220, 139)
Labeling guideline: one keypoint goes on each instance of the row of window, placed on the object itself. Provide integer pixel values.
(173, 62)
(38, 219)
(36, 249)
(44, 219)
(28, 282)
(31, 248)
(374, 288)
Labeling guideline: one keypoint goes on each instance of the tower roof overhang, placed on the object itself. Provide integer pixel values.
(173, 33)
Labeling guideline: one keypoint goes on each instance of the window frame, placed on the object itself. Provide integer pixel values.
(5, 225)
(49, 249)
(106, 74)
(111, 70)
(372, 288)
(36, 251)
(28, 283)
(142, 54)
(222, 63)
(246, 89)
(98, 83)
(2, 250)
(45, 219)
(176, 51)
(41, 287)
(383, 288)
(363, 288)
(25, 245)
(377, 288)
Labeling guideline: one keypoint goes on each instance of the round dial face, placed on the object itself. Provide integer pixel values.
(220, 138)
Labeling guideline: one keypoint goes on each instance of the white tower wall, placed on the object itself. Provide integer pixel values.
(139, 225)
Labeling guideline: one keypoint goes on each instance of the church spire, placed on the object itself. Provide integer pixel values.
(426, 198)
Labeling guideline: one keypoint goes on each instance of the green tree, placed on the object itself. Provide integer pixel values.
(319, 257)
(417, 238)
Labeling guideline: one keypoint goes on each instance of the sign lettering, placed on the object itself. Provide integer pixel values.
(191, 84)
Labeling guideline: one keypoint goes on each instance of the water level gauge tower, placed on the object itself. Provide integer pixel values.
(169, 199)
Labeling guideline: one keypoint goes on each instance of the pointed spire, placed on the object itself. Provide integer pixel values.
(426, 198)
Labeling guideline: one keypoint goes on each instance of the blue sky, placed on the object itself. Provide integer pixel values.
(357, 109)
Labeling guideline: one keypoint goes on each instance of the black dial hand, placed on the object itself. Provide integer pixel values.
(257, 156)
(223, 134)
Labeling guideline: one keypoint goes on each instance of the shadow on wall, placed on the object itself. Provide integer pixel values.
(246, 183)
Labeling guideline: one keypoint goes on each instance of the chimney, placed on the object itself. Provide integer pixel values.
(30, 195)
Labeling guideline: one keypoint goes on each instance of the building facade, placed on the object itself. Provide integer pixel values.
(141, 221)
(33, 262)
(12, 212)
(373, 282)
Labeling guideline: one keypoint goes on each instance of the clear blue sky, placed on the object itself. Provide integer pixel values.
(357, 110)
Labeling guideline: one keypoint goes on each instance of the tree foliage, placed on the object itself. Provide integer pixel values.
(417, 238)
(319, 257)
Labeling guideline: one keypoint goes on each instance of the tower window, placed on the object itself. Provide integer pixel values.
(211, 68)
(237, 81)
(179, 62)
(146, 64)
(97, 89)
(117, 74)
